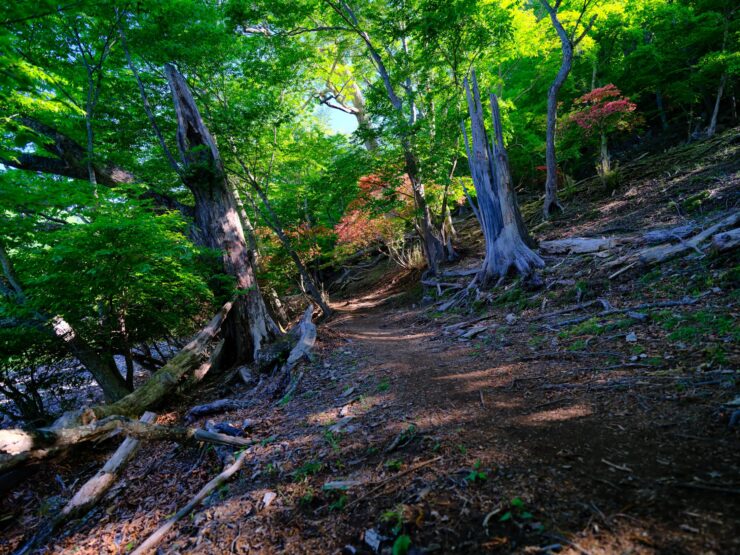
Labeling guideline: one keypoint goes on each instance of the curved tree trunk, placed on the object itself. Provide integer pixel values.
(507, 242)
(551, 184)
(249, 324)
(567, 43)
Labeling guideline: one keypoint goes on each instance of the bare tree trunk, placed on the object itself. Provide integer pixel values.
(715, 113)
(249, 324)
(506, 241)
(604, 161)
(101, 366)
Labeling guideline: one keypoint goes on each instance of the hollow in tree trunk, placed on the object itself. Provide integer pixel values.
(249, 324)
(507, 242)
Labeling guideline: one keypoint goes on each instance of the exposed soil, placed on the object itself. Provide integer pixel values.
(517, 433)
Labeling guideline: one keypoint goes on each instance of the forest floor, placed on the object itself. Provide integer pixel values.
(498, 428)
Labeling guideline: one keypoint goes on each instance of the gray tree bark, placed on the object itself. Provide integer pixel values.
(249, 324)
(505, 236)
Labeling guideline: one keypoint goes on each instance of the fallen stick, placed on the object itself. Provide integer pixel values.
(663, 304)
(382, 483)
(726, 241)
(604, 303)
(216, 407)
(156, 538)
(90, 493)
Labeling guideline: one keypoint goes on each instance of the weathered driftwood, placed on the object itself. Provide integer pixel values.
(304, 336)
(90, 493)
(20, 446)
(151, 543)
(657, 236)
(507, 242)
(578, 245)
(662, 253)
(726, 241)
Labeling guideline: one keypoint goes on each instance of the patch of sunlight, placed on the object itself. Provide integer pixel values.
(557, 414)
(14, 442)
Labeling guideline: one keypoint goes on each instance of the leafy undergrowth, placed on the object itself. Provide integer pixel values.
(589, 416)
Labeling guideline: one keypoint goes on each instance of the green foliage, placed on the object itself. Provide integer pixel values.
(307, 469)
(476, 475)
(384, 385)
(402, 545)
(517, 512)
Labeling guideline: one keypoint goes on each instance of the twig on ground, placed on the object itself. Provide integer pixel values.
(159, 534)
(382, 483)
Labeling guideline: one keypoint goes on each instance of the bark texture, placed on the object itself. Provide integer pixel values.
(218, 225)
(503, 229)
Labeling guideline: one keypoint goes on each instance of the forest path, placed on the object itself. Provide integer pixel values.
(603, 464)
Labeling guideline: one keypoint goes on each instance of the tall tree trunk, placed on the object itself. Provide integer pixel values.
(715, 113)
(604, 161)
(506, 240)
(273, 221)
(551, 184)
(434, 250)
(249, 324)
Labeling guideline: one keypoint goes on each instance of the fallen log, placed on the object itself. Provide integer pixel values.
(159, 534)
(662, 253)
(608, 312)
(90, 493)
(20, 446)
(670, 234)
(190, 359)
(578, 245)
(726, 241)
(216, 407)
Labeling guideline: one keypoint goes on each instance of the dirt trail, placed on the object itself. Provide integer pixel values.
(614, 470)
